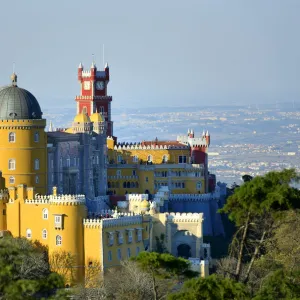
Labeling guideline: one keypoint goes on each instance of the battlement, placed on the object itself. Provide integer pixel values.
(123, 220)
(140, 146)
(193, 142)
(137, 197)
(195, 197)
(57, 200)
(108, 98)
(185, 217)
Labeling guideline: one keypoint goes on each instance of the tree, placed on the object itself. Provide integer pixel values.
(256, 208)
(280, 285)
(163, 266)
(247, 178)
(212, 287)
(25, 271)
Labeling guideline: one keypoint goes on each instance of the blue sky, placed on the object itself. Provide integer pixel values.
(170, 53)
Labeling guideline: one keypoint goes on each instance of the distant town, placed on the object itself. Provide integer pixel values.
(250, 139)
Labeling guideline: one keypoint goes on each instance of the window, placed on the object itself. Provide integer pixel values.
(109, 256)
(58, 240)
(119, 254)
(182, 159)
(149, 158)
(45, 214)
(36, 164)
(4, 212)
(11, 180)
(52, 163)
(119, 158)
(133, 172)
(119, 173)
(130, 236)
(139, 235)
(110, 239)
(165, 159)
(101, 109)
(137, 250)
(12, 164)
(135, 158)
(97, 160)
(37, 179)
(147, 179)
(128, 253)
(52, 177)
(57, 219)
(61, 162)
(74, 161)
(61, 176)
(199, 185)
(36, 137)
(44, 234)
(120, 238)
(12, 137)
(28, 233)
(68, 162)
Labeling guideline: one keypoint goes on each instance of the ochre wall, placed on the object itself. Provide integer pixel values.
(24, 150)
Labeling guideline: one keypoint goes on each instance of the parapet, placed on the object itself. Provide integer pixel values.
(184, 217)
(139, 146)
(124, 220)
(195, 197)
(57, 200)
(137, 197)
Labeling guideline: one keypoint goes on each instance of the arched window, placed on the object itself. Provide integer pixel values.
(112, 185)
(45, 213)
(12, 137)
(36, 137)
(68, 161)
(28, 233)
(36, 164)
(44, 234)
(199, 185)
(132, 185)
(109, 185)
(58, 240)
(12, 164)
(37, 179)
(136, 184)
(135, 158)
(128, 185)
(124, 184)
(11, 180)
(149, 158)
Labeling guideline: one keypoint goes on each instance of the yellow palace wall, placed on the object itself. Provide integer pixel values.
(24, 150)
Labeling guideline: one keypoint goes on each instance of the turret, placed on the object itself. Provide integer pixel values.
(191, 135)
(93, 71)
(207, 138)
(106, 69)
(80, 69)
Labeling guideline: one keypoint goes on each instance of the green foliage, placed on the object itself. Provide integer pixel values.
(212, 287)
(24, 270)
(160, 244)
(280, 285)
(164, 265)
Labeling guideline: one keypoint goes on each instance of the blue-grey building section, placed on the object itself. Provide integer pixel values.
(77, 163)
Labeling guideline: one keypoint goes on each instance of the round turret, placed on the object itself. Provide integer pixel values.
(82, 118)
(96, 118)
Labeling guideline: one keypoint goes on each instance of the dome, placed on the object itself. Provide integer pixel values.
(97, 118)
(18, 103)
(82, 118)
(145, 204)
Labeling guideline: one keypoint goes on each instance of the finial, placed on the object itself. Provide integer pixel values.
(14, 79)
(188, 131)
(203, 133)
(93, 63)
(207, 133)
(80, 66)
(106, 66)
(50, 127)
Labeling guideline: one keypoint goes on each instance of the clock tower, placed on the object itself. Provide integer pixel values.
(93, 93)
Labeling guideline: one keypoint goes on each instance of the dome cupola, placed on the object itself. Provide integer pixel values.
(17, 103)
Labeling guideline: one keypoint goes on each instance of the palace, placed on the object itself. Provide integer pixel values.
(80, 191)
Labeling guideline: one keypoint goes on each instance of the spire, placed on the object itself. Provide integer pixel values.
(188, 131)
(50, 127)
(80, 66)
(192, 131)
(203, 133)
(106, 66)
(207, 133)
(93, 66)
(14, 78)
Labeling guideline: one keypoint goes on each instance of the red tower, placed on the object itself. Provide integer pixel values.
(93, 93)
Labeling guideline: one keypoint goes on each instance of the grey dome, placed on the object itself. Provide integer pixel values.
(17, 103)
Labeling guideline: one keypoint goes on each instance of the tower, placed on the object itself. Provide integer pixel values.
(23, 141)
(93, 93)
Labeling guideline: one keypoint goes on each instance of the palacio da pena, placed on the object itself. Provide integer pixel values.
(79, 191)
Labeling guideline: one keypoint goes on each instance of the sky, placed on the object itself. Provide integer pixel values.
(160, 53)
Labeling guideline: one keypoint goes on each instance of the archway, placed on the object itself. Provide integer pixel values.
(184, 250)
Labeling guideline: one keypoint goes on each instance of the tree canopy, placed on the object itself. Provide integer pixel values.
(25, 271)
